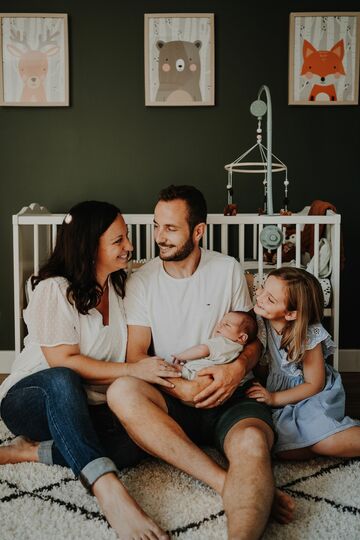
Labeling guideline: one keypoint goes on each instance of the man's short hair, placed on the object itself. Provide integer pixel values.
(195, 201)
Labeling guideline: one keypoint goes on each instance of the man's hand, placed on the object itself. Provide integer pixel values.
(258, 392)
(225, 379)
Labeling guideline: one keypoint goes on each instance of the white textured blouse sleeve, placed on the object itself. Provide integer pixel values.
(50, 318)
(317, 334)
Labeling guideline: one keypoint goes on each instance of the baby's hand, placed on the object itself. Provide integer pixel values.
(258, 392)
(177, 361)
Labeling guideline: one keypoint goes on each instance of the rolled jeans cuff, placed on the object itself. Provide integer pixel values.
(96, 468)
(45, 452)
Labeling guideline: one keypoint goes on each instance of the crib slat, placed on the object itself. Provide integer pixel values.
(18, 284)
(316, 250)
(148, 241)
(298, 245)
(152, 236)
(279, 251)
(211, 236)
(241, 243)
(260, 256)
(138, 242)
(53, 236)
(36, 249)
(255, 241)
(224, 239)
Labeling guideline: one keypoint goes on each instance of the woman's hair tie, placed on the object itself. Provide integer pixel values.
(68, 219)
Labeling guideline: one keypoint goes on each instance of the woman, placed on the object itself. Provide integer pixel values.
(76, 326)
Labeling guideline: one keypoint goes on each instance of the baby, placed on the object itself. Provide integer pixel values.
(234, 330)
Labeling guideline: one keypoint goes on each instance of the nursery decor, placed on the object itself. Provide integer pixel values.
(34, 55)
(324, 58)
(179, 59)
(38, 501)
(268, 163)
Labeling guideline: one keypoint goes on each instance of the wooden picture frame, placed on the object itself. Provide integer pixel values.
(179, 59)
(324, 58)
(34, 60)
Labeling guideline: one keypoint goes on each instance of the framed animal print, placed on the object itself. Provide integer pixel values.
(324, 58)
(34, 54)
(179, 59)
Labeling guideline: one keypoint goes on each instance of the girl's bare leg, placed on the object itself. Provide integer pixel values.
(342, 444)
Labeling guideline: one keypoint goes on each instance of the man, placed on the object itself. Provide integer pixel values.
(172, 303)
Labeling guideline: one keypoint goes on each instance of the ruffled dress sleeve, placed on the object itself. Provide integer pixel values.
(51, 319)
(317, 334)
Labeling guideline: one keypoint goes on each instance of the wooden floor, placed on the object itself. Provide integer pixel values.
(352, 388)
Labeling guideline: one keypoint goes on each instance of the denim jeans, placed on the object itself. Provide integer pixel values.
(51, 407)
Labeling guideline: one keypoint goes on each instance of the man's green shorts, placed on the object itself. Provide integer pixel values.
(210, 426)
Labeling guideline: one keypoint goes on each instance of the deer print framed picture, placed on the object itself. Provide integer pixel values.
(324, 58)
(179, 59)
(34, 53)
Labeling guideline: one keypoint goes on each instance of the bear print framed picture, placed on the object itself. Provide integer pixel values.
(179, 59)
(34, 54)
(324, 58)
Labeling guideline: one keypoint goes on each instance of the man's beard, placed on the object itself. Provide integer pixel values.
(182, 252)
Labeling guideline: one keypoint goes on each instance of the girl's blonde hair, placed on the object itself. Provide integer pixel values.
(304, 295)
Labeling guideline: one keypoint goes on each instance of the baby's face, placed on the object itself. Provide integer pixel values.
(229, 327)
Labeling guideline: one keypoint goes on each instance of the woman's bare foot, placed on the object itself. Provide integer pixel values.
(283, 507)
(122, 512)
(19, 450)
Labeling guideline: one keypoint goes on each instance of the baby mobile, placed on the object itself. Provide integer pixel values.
(271, 236)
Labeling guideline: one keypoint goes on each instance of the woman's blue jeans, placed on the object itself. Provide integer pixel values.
(51, 407)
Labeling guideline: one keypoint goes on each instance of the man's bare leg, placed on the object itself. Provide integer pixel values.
(142, 410)
(249, 487)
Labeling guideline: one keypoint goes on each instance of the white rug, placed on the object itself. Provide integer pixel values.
(38, 502)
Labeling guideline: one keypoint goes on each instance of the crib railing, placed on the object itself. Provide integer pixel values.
(35, 232)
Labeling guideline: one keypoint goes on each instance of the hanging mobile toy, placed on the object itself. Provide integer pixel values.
(271, 236)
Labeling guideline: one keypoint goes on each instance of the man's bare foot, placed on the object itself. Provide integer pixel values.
(283, 507)
(123, 513)
(19, 450)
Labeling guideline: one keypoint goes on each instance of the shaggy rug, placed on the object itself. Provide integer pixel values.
(38, 502)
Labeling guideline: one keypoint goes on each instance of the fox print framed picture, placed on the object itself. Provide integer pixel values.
(324, 58)
(34, 54)
(179, 59)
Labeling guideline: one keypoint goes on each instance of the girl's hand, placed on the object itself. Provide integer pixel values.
(154, 370)
(258, 392)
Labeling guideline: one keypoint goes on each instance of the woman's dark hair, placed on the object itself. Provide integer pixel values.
(195, 201)
(75, 254)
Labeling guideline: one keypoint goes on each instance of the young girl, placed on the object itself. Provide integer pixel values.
(306, 394)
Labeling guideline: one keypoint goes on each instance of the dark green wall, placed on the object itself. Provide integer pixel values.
(107, 145)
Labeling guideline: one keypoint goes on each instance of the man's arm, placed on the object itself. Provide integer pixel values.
(139, 340)
(227, 377)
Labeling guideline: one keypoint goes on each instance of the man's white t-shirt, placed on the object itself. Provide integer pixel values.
(183, 312)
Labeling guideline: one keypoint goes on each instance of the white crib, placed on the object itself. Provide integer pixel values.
(35, 231)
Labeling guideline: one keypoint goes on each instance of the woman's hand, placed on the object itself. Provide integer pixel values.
(258, 392)
(154, 370)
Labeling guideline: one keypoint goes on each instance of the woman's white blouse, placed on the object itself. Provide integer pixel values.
(52, 320)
